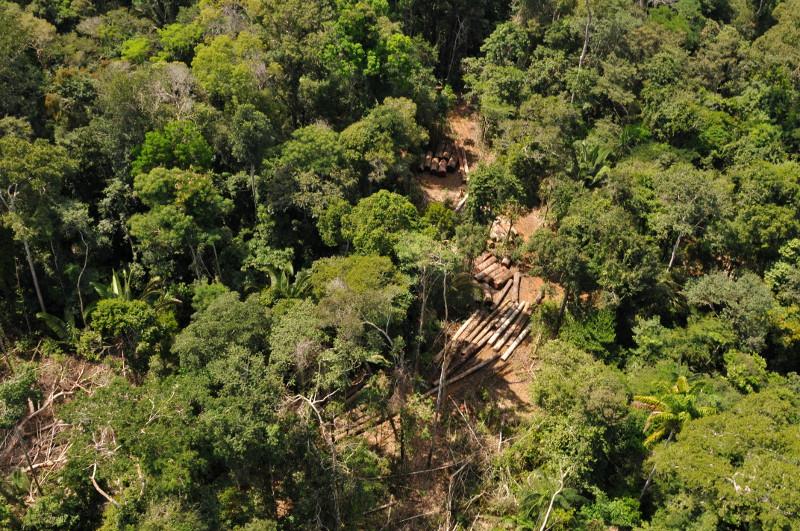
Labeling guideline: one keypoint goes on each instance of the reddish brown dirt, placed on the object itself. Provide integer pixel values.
(529, 223)
(441, 189)
(465, 127)
(464, 130)
(506, 382)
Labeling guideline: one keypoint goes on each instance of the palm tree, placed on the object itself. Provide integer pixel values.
(593, 162)
(668, 414)
(283, 288)
(671, 411)
(120, 288)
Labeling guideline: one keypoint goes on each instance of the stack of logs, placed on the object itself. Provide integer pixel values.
(489, 270)
(505, 324)
(445, 159)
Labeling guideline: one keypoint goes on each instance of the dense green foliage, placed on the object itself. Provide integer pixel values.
(210, 204)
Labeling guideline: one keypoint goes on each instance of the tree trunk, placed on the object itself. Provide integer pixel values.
(423, 305)
(254, 191)
(35, 278)
(329, 437)
(674, 251)
(216, 262)
(553, 500)
(653, 471)
(586, 34)
(442, 375)
(456, 42)
(561, 311)
(80, 276)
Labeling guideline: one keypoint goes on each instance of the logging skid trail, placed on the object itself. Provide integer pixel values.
(488, 362)
(477, 349)
(488, 359)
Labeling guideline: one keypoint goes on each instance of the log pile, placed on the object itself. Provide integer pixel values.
(447, 157)
(498, 327)
(496, 273)
(505, 326)
(500, 229)
(501, 327)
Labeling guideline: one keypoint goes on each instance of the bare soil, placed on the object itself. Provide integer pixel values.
(446, 189)
(500, 390)
(464, 124)
(463, 129)
(529, 223)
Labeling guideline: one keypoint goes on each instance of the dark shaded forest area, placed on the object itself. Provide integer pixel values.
(229, 299)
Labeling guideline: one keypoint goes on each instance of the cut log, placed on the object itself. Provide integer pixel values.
(477, 329)
(506, 261)
(523, 322)
(487, 293)
(482, 274)
(487, 271)
(486, 262)
(483, 256)
(483, 264)
(513, 330)
(501, 295)
(464, 326)
(464, 160)
(428, 160)
(513, 346)
(515, 289)
(462, 375)
(442, 167)
(489, 318)
(502, 268)
(481, 339)
(473, 325)
(496, 271)
(501, 272)
(462, 343)
(540, 297)
(461, 330)
(500, 277)
(452, 164)
(461, 203)
(474, 330)
(506, 323)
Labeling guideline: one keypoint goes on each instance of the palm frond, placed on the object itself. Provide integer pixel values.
(654, 437)
(681, 385)
(650, 403)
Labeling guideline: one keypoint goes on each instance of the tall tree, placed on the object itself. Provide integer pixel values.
(31, 177)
